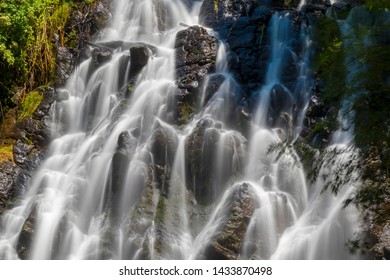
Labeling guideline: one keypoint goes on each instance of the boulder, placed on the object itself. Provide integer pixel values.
(227, 239)
(139, 57)
(213, 84)
(206, 145)
(8, 174)
(196, 53)
(101, 56)
(163, 145)
(281, 107)
(221, 14)
(64, 64)
(121, 159)
(161, 14)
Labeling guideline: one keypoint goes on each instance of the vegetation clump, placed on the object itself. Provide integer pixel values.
(6, 153)
(30, 104)
(27, 29)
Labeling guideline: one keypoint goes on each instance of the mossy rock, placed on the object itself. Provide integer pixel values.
(30, 104)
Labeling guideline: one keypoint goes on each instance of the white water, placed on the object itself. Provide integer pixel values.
(77, 213)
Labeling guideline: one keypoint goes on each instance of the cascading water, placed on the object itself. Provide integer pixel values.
(105, 191)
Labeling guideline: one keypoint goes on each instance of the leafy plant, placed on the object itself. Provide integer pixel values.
(27, 29)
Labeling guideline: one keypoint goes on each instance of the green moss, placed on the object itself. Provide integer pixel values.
(261, 34)
(216, 4)
(186, 112)
(6, 153)
(30, 104)
(160, 211)
(196, 51)
(130, 87)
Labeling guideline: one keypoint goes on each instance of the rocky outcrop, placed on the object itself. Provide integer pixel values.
(139, 56)
(121, 159)
(196, 52)
(222, 14)
(213, 155)
(246, 27)
(163, 146)
(8, 176)
(238, 209)
(64, 63)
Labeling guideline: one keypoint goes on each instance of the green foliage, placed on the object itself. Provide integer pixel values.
(329, 58)
(30, 104)
(27, 28)
(376, 4)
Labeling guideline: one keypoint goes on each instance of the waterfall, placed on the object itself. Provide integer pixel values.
(120, 181)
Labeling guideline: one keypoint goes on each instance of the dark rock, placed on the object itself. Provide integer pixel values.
(101, 56)
(206, 145)
(163, 146)
(138, 59)
(25, 238)
(8, 174)
(320, 121)
(21, 152)
(386, 253)
(261, 15)
(121, 159)
(161, 14)
(196, 53)
(35, 129)
(64, 64)
(49, 96)
(214, 82)
(220, 15)
(281, 103)
(238, 209)
(312, 8)
(100, 15)
(164, 143)
(242, 34)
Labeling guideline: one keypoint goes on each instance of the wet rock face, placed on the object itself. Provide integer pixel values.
(320, 121)
(121, 159)
(196, 53)
(30, 139)
(64, 64)
(246, 27)
(281, 104)
(222, 14)
(161, 14)
(100, 56)
(227, 242)
(163, 146)
(139, 56)
(208, 143)
(8, 176)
